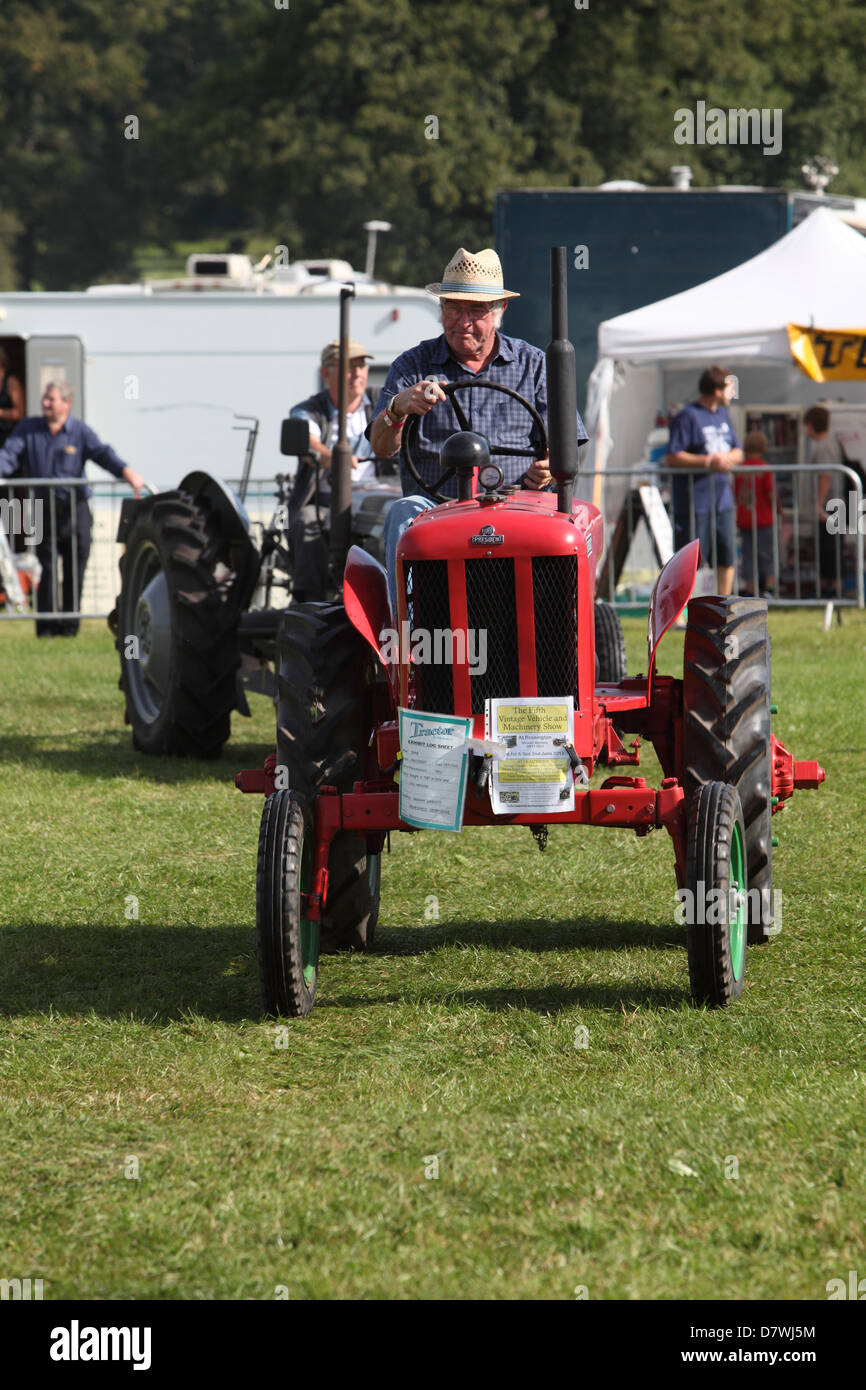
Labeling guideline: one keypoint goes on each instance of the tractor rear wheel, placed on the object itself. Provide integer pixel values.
(715, 883)
(321, 741)
(288, 942)
(726, 728)
(177, 628)
(609, 645)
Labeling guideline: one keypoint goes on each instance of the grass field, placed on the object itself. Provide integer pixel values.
(161, 1140)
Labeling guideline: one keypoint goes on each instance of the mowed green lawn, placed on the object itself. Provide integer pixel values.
(680, 1154)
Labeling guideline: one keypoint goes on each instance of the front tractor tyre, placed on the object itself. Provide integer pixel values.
(716, 925)
(288, 942)
(177, 628)
(726, 729)
(323, 726)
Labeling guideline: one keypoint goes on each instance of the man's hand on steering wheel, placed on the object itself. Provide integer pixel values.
(538, 474)
(419, 399)
(425, 394)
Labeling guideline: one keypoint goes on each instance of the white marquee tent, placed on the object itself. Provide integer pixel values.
(814, 276)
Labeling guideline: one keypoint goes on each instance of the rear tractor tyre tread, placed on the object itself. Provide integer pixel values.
(726, 728)
(321, 737)
(195, 718)
(610, 665)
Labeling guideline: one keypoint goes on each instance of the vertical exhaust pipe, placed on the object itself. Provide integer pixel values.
(561, 386)
(341, 457)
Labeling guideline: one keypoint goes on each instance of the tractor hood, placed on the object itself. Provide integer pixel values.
(515, 574)
(508, 526)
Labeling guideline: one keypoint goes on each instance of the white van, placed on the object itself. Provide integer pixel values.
(160, 369)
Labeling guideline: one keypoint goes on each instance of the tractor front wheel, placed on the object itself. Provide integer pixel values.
(715, 895)
(288, 942)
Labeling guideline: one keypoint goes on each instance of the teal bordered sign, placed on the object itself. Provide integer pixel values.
(433, 769)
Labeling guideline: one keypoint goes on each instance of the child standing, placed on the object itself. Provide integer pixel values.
(755, 494)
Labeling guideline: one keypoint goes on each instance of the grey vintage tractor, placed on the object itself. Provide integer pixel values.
(202, 598)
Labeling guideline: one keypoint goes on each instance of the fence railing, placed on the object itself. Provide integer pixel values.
(59, 559)
(811, 553)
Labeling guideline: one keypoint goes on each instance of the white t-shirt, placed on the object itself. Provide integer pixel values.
(356, 424)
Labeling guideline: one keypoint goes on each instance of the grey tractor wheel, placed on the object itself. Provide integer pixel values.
(177, 628)
(322, 731)
(609, 645)
(726, 728)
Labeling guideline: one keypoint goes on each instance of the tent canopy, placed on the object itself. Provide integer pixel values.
(815, 276)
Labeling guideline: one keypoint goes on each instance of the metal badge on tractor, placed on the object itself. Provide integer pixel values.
(519, 566)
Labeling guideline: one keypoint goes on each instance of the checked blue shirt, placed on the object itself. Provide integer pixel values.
(499, 418)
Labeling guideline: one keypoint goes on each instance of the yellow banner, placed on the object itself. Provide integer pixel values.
(835, 354)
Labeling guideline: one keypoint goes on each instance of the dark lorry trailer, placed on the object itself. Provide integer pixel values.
(630, 247)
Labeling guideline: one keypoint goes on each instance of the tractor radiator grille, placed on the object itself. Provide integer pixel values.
(491, 604)
(492, 608)
(427, 607)
(554, 586)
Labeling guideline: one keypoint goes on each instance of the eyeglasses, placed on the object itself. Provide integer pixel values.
(475, 311)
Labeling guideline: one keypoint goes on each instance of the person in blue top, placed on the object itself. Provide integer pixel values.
(56, 445)
(472, 298)
(703, 437)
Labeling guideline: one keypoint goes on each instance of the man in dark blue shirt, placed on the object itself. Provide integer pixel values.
(702, 436)
(473, 299)
(56, 445)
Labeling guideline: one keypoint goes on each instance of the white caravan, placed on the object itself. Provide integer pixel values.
(161, 368)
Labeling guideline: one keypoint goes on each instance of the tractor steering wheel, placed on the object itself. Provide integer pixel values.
(410, 432)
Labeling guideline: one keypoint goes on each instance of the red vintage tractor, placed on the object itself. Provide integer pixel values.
(519, 566)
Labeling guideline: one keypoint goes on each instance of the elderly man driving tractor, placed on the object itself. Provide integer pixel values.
(371, 741)
(422, 381)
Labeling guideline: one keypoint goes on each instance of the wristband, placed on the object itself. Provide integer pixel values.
(394, 422)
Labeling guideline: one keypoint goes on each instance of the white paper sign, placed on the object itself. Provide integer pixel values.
(433, 769)
(534, 771)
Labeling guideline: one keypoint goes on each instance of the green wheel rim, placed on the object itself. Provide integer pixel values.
(738, 886)
(309, 929)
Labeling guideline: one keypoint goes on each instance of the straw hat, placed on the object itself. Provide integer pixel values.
(473, 275)
(331, 352)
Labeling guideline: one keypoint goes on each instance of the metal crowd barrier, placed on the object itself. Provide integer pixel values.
(810, 565)
(38, 523)
(30, 510)
(31, 515)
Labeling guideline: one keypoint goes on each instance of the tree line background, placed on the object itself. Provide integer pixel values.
(294, 125)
